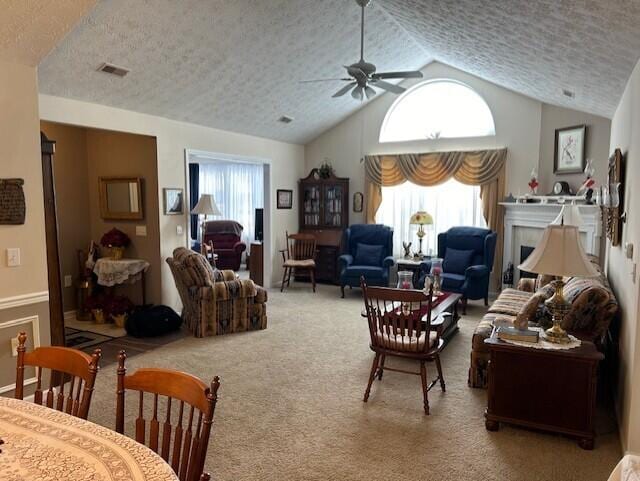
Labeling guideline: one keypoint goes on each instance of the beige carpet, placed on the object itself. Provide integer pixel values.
(291, 406)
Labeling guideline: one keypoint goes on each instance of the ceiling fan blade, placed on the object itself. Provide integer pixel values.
(344, 90)
(369, 92)
(407, 74)
(324, 80)
(396, 89)
(356, 93)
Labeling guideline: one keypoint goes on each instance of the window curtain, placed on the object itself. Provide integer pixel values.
(483, 167)
(194, 195)
(238, 190)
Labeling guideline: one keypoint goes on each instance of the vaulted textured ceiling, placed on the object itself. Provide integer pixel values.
(29, 29)
(535, 47)
(231, 64)
(236, 64)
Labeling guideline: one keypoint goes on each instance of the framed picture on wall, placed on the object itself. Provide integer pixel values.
(569, 150)
(284, 199)
(358, 200)
(173, 201)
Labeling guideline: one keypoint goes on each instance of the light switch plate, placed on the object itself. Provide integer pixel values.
(179, 230)
(13, 257)
(141, 230)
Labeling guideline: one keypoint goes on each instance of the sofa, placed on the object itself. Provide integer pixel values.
(467, 254)
(369, 254)
(215, 301)
(226, 237)
(593, 308)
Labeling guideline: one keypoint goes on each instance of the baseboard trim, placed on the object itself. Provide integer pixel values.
(24, 300)
(70, 315)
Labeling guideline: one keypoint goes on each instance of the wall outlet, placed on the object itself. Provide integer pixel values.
(68, 281)
(141, 230)
(179, 230)
(14, 346)
(13, 257)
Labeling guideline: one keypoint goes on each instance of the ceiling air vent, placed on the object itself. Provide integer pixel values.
(568, 93)
(285, 119)
(113, 69)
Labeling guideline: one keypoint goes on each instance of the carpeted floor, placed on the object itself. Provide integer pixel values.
(291, 406)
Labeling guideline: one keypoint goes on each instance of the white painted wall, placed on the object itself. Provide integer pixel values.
(173, 137)
(625, 135)
(517, 120)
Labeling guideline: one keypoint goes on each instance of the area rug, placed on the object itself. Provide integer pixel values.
(291, 406)
(83, 339)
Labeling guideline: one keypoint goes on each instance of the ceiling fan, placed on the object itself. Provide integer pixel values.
(362, 75)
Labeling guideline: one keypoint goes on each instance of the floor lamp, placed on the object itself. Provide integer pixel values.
(205, 206)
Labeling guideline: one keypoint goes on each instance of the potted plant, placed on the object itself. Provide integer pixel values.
(96, 305)
(118, 308)
(117, 241)
(325, 170)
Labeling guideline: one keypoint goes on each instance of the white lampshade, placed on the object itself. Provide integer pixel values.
(569, 215)
(421, 218)
(206, 205)
(559, 253)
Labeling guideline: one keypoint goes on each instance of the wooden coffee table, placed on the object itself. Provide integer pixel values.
(444, 316)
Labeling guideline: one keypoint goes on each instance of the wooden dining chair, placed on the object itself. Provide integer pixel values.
(400, 325)
(300, 255)
(206, 249)
(205, 477)
(70, 370)
(185, 433)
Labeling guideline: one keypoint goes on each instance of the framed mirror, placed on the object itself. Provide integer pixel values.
(121, 198)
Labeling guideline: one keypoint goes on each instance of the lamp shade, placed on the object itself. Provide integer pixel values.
(421, 218)
(559, 253)
(569, 215)
(206, 205)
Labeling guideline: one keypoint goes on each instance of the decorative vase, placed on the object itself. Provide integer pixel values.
(436, 273)
(119, 319)
(405, 280)
(98, 316)
(117, 253)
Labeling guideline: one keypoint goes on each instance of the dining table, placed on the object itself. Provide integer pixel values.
(39, 443)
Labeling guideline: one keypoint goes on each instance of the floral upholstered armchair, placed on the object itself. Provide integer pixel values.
(213, 301)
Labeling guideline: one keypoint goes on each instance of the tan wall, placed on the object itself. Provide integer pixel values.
(117, 154)
(25, 285)
(625, 134)
(72, 195)
(596, 148)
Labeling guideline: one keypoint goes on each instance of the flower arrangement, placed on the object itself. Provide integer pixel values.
(117, 241)
(118, 305)
(533, 183)
(115, 238)
(325, 170)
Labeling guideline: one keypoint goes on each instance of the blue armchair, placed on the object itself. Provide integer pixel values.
(369, 254)
(467, 254)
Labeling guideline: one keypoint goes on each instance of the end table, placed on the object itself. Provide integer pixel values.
(551, 390)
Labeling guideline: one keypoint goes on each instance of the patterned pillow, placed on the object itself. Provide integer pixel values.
(528, 311)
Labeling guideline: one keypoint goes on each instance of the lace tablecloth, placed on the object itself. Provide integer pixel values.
(628, 469)
(122, 271)
(46, 445)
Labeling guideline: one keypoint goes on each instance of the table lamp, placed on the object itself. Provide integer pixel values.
(205, 206)
(421, 218)
(559, 253)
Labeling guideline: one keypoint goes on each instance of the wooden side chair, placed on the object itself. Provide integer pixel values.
(205, 477)
(186, 432)
(400, 325)
(70, 370)
(300, 255)
(206, 249)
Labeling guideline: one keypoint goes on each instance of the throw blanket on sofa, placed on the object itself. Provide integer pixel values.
(224, 227)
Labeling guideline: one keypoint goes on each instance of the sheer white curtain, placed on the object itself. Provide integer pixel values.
(450, 204)
(238, 189)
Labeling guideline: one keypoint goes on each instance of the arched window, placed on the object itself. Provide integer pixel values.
(437, 109)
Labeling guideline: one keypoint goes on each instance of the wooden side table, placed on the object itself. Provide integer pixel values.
(551, 390)
(412, 265)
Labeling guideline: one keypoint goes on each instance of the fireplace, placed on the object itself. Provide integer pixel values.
(525, 251)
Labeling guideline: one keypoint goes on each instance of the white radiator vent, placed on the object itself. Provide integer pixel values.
(113, 69)
(568, 93)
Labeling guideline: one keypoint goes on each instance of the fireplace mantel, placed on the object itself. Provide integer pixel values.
(529, 220)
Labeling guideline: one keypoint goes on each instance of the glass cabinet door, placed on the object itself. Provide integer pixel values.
(311, 205)
(333, 199)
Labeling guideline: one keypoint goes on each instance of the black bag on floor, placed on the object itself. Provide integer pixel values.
(152, 321)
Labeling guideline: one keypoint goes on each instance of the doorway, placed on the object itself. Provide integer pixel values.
(240, 187)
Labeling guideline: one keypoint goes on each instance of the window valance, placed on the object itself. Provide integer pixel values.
(472, 168)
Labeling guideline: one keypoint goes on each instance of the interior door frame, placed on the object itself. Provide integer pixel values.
(56, 310)
(268, 240)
